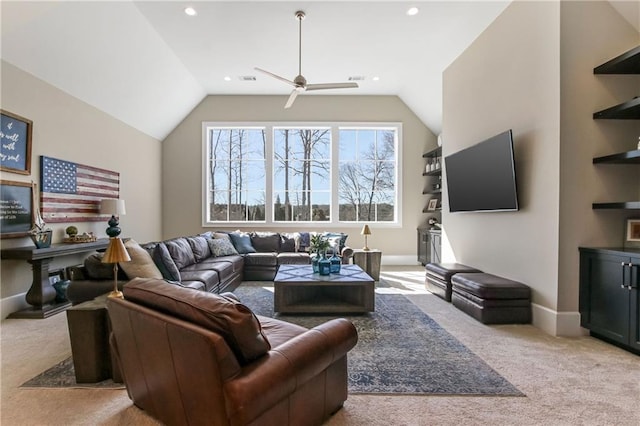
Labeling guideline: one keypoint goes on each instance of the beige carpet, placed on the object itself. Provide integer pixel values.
(580, 381)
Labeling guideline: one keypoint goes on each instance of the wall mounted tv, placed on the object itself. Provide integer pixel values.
(483, 177)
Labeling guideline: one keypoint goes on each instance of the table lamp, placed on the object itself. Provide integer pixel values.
(116, 252)
(115, 208)
(365, 231)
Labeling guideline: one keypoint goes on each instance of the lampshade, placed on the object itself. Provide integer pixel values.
(112, 206)
(365, 230)
(116, 252)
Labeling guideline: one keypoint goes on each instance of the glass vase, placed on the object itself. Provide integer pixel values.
(324, 265)
(335, 263)
(314, 263)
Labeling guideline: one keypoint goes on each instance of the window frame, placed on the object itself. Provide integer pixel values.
(335, 127)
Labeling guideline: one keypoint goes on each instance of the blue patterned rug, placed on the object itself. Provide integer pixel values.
(400, 350)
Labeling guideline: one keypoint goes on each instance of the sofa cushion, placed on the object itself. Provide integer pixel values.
(208, 277)
(242, 242)
(288, 242)
(96, 270)
(236, 323)
(141, 264)
(293, 259)
(264, 242)
(221, 247)
(180, 252)
(261, 259)
(199, 247)
(165, 263)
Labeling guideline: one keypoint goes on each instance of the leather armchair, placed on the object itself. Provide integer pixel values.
(182, 372)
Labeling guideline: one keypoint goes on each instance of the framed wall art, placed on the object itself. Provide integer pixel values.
(15, 143)
(16, 209)
(632, 234)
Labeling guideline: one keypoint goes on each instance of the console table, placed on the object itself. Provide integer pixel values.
(41, 295)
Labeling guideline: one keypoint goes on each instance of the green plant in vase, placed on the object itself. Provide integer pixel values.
(319, 247)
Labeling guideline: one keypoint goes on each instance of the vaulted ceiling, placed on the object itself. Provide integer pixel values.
(149, 64)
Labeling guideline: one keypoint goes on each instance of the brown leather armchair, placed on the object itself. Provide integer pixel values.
(190, 357)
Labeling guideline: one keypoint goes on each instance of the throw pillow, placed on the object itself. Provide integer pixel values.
(199, 247)
(236, 323)
(141, 264)
(242, 242)
(165, 263)
(96, 270)
(287, 243)
(220, 247)
(180, 252)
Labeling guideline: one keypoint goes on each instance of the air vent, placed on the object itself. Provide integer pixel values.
(356, 78)
(247, 78)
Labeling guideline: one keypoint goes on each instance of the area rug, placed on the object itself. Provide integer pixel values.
(62, 375)
(400, 350)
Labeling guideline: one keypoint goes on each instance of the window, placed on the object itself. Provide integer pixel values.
(301, 174)
(236, 166)
(279, 173)
(367, 173)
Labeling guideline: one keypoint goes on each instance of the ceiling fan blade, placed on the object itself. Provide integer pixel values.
(324, 86)
(275, 76)
(292, 97)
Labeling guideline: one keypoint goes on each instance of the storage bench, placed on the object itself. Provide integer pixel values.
(491, 299)
(438, 277)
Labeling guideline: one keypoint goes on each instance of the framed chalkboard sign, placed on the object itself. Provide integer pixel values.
(16, 208)
(15, 147)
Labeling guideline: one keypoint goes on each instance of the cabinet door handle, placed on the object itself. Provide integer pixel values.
(623, 270)
(631, 274)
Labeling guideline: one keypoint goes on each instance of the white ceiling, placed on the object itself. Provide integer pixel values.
(148, 64)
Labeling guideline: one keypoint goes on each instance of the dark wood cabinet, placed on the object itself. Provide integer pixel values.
(429, 245)
(610, 295)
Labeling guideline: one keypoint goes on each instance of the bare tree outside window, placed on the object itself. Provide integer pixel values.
(237, 174)
(367, 175)
(302, 168)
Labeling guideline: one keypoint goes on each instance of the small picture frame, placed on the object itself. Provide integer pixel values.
(433, 204)
(55, 276)
(633, 230)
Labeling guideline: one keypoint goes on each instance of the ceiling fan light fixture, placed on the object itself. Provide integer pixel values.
(299, 83)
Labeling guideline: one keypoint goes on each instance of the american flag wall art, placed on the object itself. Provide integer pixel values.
(72, 192)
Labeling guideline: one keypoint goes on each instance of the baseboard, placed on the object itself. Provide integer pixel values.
(399, 260)
(566, 324)
(12, 304)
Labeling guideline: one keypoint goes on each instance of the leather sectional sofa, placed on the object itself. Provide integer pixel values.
(213, 261)
(197, 358)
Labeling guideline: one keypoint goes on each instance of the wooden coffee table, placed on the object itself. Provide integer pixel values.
(298, 290)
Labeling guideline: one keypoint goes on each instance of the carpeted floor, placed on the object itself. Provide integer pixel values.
(400, 349)
(567, 381)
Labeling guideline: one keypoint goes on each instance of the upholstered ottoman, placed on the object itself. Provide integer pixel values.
(438, 278)
(491, 299)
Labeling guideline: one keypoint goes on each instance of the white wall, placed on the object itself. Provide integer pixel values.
(67, 128)
(182, 174)
(532, 71)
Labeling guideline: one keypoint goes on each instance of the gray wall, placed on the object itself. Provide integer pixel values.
(67, 128)
(182, 163)
(532, 71)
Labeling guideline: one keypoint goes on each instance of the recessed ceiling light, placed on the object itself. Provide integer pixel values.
(412, 11)
(227, 78)
(376, 78)
(190, 11)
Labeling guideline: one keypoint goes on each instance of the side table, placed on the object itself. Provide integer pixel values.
(89, 331)
(369, 261)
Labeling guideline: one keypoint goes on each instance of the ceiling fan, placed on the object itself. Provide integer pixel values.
(300, 83)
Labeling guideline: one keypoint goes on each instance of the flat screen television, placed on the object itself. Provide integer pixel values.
(483, 176)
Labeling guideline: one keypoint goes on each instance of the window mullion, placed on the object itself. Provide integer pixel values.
(269, 160)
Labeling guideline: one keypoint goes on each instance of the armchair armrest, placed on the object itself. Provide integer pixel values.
(289, 366)
(346, 254)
